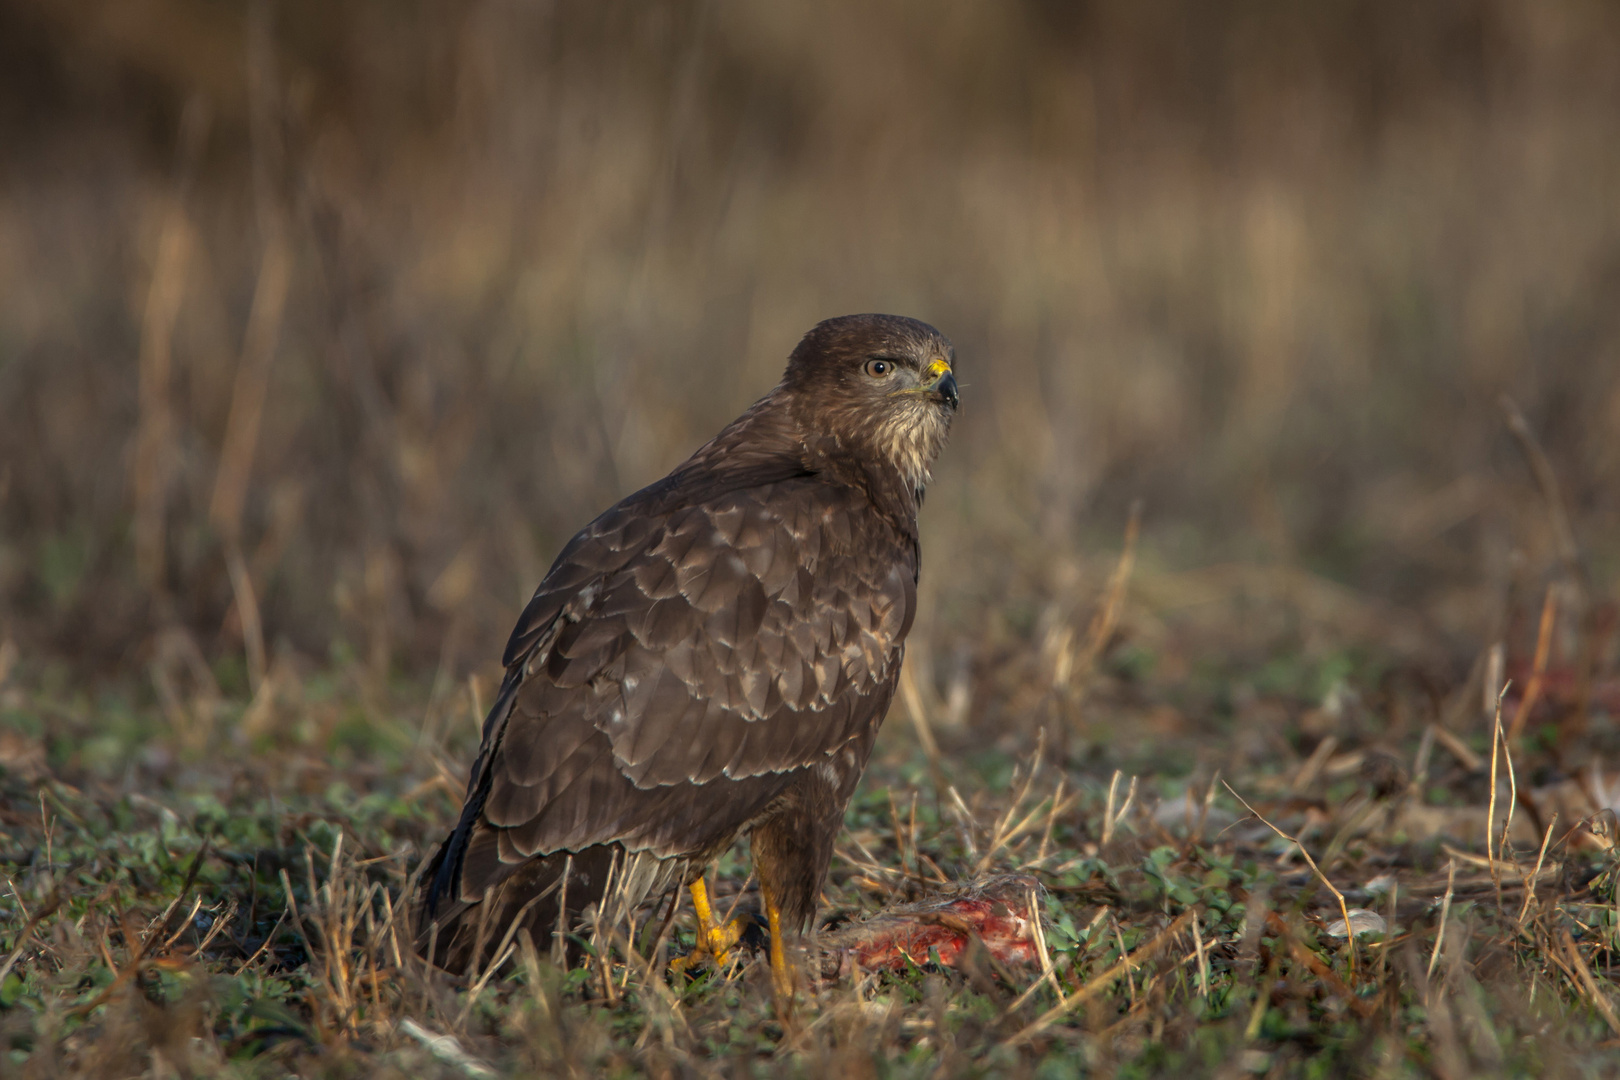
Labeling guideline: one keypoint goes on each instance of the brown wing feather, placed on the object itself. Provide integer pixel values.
(680, 645)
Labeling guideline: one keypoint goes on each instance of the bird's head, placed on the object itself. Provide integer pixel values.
(879, 388)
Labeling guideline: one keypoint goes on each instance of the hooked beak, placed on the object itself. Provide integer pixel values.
(941, 382)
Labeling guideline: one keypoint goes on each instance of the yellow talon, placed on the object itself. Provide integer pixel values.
(713, 939)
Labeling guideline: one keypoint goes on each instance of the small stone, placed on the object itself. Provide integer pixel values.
(1362, 921)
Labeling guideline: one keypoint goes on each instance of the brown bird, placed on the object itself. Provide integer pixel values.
(712, 655)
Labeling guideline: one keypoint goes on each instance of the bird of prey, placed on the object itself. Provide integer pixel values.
(711, 656)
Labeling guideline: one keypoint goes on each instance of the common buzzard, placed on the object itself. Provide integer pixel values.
(712, 655)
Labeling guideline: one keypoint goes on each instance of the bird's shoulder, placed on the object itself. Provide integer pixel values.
(704, 535)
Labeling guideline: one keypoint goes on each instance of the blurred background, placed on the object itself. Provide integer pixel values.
(323, 326)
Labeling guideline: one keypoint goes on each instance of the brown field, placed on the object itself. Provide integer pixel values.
(1290, 350)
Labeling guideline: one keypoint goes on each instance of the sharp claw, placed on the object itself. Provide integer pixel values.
(715, 945)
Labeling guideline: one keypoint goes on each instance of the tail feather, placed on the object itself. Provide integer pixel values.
(463, 928)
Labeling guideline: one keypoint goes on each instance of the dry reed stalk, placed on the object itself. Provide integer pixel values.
(1420, 761)
(1513, 802)
(1119, 936)
(1538, 667)
(1099, 983)
(503, 952)
(1257, 1014)
(1108, 807)
(1492, 687)
(216, 929)
(1445, 913)
(31, 922)
(1497, 743)
(1460, 750)
(1392, 906)
(264, 946)
(247, 613)
(196, 906)
(530, 957)
(1569, 553)
(156, 929)
(1107, 618)
(1203, 958)
(1535, 875)
(902, 842)
(1048, 972)
(1312, 768)
(251, 386)
(1197, 834)
(1587, 984)
(1111, 820)
(1058, 806)
(1005, 831)
(154, 437)
(965, 819)
(919, 716)
(559, 936)
(1344, 909)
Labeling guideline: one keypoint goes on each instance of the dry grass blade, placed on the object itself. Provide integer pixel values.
(154, 449)
(252, 384)
(1588, 985)
(1107, 618)
(269, 939)
(1048, 973)
(1498, 866)
(1312, 768)
(919, 715)
(1005, 831)
(1203, 959)
(1547, 480)
(46, 910)
(1499, 744)
(1108, 807)
(1535, 875)
(247, 611)
(1099, 983)
(1445, 914)
(1460, 750)
(1344, 908)
(1538, 668)
(1111, 819)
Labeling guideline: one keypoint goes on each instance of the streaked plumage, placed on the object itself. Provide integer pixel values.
(712, 655)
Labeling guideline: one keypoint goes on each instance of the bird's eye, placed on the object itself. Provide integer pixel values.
(879, 368)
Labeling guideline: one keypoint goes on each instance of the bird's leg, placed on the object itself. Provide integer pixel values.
(781, 970)
(713, 939)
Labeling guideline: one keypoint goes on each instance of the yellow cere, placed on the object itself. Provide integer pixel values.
(936, 370)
